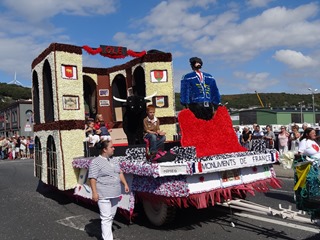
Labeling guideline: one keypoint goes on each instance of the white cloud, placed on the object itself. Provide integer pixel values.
(255, 81)
(258, 3)
(37, 10)
(295, 59)
(26, 30)
(223, 35)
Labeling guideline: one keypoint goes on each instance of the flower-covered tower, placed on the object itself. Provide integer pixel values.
(64, 92)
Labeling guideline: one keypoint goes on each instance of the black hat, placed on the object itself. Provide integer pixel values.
(193, 60)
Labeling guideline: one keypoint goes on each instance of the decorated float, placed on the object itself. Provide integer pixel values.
(206, 167)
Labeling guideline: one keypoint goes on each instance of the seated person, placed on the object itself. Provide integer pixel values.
(91, 135)
(307, 145)
(97, 121)
(104, 132)
(152, 131)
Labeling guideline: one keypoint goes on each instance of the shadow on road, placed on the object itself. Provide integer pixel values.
(315, 237)
(53, 193)
(93, 228)
(280, 196)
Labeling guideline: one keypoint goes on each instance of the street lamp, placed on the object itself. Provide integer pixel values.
(314, 115)
(301, 116)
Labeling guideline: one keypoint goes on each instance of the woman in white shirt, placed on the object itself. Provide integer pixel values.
(308, 146)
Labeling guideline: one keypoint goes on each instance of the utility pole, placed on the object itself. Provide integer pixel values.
(301, 116)
(314, 115)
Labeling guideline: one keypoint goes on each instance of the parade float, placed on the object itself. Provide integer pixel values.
(207, 166)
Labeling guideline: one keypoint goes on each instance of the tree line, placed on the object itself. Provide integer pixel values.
(269, 100)
(12, 92)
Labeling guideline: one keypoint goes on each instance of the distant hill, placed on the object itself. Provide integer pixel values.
(11, 92)
(275, 100)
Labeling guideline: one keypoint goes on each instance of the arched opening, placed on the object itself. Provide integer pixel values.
(90, 96)
(35, 98)
(139, 77)
(52, 162)
(47, 93)
(38, 157)
(119, 90)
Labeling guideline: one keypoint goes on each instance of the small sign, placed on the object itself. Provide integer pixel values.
(69, 72)
(27, 128)
(114, 50)
(158, 76)
(104, 103)
(160, 101)
(70, 102)
(103, 92)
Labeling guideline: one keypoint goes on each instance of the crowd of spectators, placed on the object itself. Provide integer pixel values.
(16, 147)
(284, 140)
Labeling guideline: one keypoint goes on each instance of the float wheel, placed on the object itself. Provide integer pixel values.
(159, 213)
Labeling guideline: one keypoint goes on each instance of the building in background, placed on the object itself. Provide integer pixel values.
(280, 116)
(17, 118)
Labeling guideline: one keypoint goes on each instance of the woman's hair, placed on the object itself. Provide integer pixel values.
(306, 133)
(97, 117)
(102, 144)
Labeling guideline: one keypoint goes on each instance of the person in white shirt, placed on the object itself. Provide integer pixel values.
(307, 145)
(257, 133)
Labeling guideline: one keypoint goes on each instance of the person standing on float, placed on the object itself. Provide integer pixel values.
(199, 91)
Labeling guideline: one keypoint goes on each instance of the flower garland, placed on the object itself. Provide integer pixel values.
(95, 51)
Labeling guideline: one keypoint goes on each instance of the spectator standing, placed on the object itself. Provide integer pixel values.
(23, 147)
(17, 141)
(238, 133)
(1, 152)
(304, 127)
(270, 137)
(294, 138)
(246, 138)
(307, 145)
(283, 139)
(11, 148)
(257, 133)
(31, 146)
(5, 145)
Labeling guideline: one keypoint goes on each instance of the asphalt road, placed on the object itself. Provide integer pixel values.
(30, 210)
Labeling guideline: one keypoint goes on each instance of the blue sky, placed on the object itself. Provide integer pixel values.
(250, 45)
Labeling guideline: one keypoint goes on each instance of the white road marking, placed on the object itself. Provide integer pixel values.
(282, 223)
(76, 222)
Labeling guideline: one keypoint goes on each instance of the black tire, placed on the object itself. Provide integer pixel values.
(159, 213)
